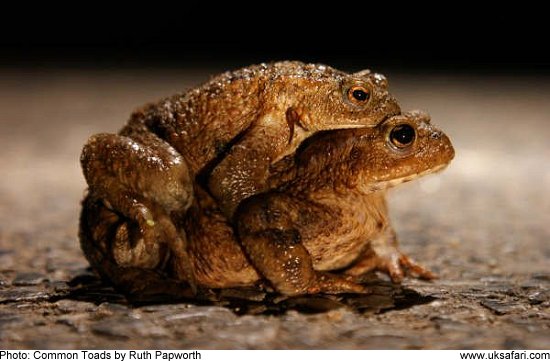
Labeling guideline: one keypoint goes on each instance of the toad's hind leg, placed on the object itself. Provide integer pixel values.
(141, 165)
(145, 180)
(274, 246)
(100, 230)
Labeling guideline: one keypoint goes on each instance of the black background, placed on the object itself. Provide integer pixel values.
(453, 37)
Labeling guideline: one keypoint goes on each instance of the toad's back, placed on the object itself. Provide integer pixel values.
(203, 123)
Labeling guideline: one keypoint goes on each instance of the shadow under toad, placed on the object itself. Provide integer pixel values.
(385, 296)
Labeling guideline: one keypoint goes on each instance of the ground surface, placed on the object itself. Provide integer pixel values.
(482, 225)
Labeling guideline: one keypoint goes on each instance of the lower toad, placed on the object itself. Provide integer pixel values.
(321, 225)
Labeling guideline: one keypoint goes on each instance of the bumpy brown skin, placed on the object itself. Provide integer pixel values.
(323, 223)
(327, 211)
(222, 137)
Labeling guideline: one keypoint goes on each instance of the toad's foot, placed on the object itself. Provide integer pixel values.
(384, 256)
(136, 244)
(136, 250)
(145, 247)
(416, 269)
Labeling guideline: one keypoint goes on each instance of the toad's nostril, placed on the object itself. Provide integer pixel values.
(435, 135)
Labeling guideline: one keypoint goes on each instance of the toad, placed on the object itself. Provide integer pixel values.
(223, 137)
(321, 224)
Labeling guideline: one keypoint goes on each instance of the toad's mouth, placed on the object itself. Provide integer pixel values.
(378, 186)
(355, 125)
(300, 133)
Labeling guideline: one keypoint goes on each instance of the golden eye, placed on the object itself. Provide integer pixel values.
(358, 94)
(402, 135)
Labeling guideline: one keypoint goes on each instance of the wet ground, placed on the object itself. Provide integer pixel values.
(481, 225)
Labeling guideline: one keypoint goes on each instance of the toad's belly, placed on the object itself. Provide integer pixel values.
(341, 240)
(337, 250)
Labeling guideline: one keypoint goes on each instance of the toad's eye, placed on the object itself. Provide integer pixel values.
(358, 94)
(402, 135)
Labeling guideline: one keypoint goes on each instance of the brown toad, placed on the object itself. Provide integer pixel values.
(222, 137)
(326, 221)
(322, 223)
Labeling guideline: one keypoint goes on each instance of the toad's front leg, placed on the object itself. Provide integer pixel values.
(273, 243)
(384, 255)
(243, 172)
(144, 179)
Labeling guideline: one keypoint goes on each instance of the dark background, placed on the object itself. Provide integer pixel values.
(458, 37)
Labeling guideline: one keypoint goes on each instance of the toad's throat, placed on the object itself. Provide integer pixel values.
(382, 185)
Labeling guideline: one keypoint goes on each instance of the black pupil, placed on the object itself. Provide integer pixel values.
(402, 134)
(360, 95)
